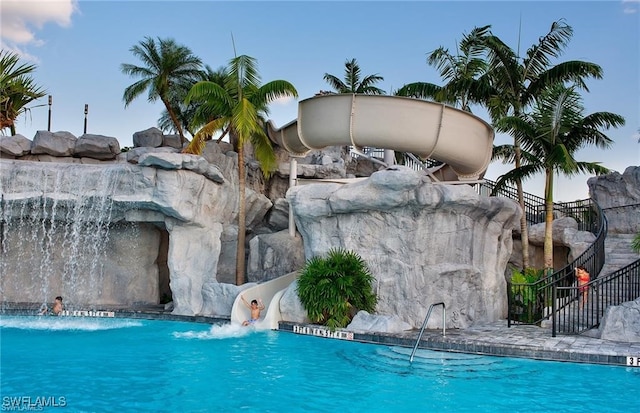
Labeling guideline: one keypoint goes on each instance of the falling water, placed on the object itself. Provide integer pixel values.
(58, 231)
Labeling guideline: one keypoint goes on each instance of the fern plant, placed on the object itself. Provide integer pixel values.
(333, 288)
(635, 244)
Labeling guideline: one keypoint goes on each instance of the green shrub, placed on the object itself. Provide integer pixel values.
(635, 244)
(526, 299)
(333, 289)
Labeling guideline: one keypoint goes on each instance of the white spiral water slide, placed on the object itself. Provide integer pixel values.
(461, 141)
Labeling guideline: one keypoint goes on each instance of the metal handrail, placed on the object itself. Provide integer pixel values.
(424, 324)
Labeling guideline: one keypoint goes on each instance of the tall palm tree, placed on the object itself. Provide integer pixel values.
(464, 74)
(186, 113)
(17, 89)
(517, 82)
(352, 82)
(167, 67)
(238, 107)
(551, 135)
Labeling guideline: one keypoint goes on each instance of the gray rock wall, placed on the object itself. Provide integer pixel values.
(619, 196)
(424, 243)
(44, 200)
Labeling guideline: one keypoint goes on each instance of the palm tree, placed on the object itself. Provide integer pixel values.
(352, 82)
(518, 82)
(186, 113)
(551, 135)
(238, 108)
(167, 68)
(17, 89)
(464, 74)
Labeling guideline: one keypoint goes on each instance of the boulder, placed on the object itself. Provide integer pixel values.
(378, 323)
(16, 145)
(621, 322)
(53, 143)
(97, 147)
(133, 155)
(151, 137)
(172, 141)
(172, 161)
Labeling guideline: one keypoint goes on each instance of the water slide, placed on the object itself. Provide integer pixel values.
(460, 140)
(270, 293)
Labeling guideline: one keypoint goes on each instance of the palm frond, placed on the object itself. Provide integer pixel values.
(420, 90)
(550, 45)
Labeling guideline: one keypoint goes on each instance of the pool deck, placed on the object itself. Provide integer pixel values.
(495, 339)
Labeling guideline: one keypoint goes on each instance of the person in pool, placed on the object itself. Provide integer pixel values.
(57, 307)
(256, 306)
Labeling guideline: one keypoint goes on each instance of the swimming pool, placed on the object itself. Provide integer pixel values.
(104, 365)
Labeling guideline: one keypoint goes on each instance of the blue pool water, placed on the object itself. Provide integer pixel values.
(125, 365)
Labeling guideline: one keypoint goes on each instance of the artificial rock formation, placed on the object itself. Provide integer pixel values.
(424, 243)
(622, 322)
(619, 197)
(120, 208)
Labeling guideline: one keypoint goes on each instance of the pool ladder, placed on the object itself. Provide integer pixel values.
(424, 324)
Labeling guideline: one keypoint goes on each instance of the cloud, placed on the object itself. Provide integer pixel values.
(283, 100)
(630, 6)
(20, 19)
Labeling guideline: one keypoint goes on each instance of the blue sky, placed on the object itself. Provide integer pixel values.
(79, 47)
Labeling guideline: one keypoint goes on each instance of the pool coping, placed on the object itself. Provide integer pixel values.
(522, 342)
(495, 339)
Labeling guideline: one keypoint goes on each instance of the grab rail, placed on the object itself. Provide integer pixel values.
(424, 324)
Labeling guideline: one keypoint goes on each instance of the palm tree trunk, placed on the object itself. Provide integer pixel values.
(524, 228)
(240, 254)
(548, 222)
(174, 119)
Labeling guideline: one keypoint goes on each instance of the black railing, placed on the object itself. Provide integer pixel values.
(581, 308)
(532, 303)
(535, 210)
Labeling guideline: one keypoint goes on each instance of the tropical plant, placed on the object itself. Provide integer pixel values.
(635, 244)
(550, 136)
(238, 108)
(352, 80)
(17, 89)
(526, 301)
(333, 288)
(186, 113)
(464, 74)
(168, 68)
(517, 82)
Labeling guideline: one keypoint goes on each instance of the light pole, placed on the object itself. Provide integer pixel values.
(49, 122)
(86, 112)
